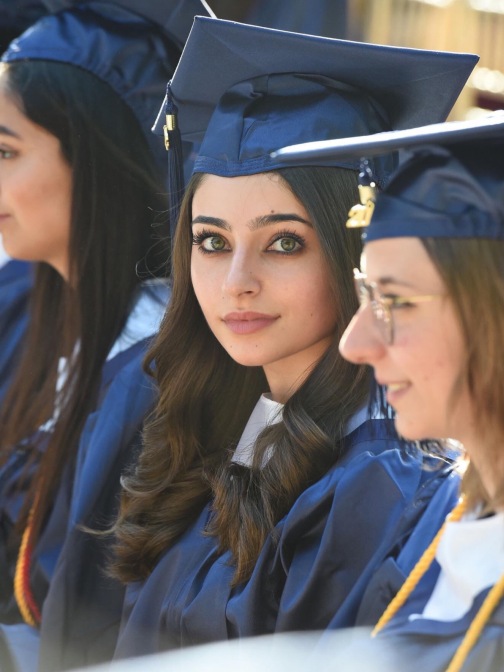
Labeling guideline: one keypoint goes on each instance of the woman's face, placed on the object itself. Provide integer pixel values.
(422, 366)
(260, 277)
(35, 189)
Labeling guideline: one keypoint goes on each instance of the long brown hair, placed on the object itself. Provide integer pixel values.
(205, 400)
(473, 273)
(115, 181)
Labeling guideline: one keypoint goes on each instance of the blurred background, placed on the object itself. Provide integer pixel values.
(452, 25)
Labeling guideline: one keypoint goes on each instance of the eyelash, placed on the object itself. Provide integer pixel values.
(199, 238)
(293, 236)
(397, 306)
(7, 154)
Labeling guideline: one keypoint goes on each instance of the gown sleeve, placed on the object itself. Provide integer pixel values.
(82, 609)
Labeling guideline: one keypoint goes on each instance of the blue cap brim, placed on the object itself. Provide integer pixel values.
(450, 184)
(367, 146)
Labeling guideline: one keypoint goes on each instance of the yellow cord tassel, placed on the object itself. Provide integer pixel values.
(474, 631)
(417, 572)
(21, 576)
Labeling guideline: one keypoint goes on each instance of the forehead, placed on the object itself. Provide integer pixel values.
(403, 259)
(11, 115)
(246, 195)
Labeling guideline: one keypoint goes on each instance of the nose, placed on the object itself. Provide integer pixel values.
(242, 276)
(362, 342)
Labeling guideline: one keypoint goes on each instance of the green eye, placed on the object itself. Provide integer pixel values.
(215, 243)
(288, 244)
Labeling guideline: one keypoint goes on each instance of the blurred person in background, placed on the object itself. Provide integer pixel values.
(83, 198)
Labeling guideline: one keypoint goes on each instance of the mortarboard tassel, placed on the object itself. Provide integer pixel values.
(173, 145)
(361, 213)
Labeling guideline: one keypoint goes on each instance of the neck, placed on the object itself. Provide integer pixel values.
(487, 464)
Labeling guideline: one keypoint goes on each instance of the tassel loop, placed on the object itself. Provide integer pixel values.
(173, 145)
(361, 213)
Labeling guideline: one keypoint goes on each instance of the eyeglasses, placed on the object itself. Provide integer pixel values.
(382, 306)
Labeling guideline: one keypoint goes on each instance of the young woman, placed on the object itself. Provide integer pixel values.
(81, 184)
(265, 495)
(431, 326)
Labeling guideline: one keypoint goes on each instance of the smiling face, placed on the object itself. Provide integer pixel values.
(35, 189)
(422, 368)
(260, 277)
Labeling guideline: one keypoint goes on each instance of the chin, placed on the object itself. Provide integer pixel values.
(246, 360)
(411, 431)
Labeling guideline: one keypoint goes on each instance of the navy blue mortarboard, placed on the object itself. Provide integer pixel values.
(451, 185)
(243, 91)
(132, 45)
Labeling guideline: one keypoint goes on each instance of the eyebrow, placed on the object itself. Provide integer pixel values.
(255, 224)
(390, 280)
(5, 130)
(267, 220)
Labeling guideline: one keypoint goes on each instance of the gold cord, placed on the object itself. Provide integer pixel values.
(417, 572)
(473, 632)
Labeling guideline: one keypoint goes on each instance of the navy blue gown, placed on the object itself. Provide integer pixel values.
(81, 605)
(429, 644)
(337, 533)
(16, 280)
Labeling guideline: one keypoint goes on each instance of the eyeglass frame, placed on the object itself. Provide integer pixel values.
(369, 293)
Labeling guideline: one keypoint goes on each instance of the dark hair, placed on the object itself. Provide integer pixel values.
(115, 191)
(205, 400)
(473, 273)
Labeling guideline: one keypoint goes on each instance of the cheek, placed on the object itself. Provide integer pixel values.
(46, 191)
(203, 282)
(196, 279)
(19, 191)
(433, 362)
(319, 301)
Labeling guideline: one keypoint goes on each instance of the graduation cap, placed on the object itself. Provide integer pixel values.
(132, 45)
(451, 183)
(243, 91)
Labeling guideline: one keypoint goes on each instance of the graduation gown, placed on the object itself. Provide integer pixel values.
(337, 533)
(426, 644)
(419, 644)
(16, 280)
(81, 605)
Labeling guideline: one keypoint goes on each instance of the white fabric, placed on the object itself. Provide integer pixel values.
(4, 257)
(471, 556)
(359, 418)
(266, 412)
(143, 321)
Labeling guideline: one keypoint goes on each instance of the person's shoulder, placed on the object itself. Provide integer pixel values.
(374, 461)
(374, 432)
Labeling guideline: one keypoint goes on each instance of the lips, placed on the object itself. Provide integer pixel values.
(396, 387)
(248, 322)
(396, 390)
